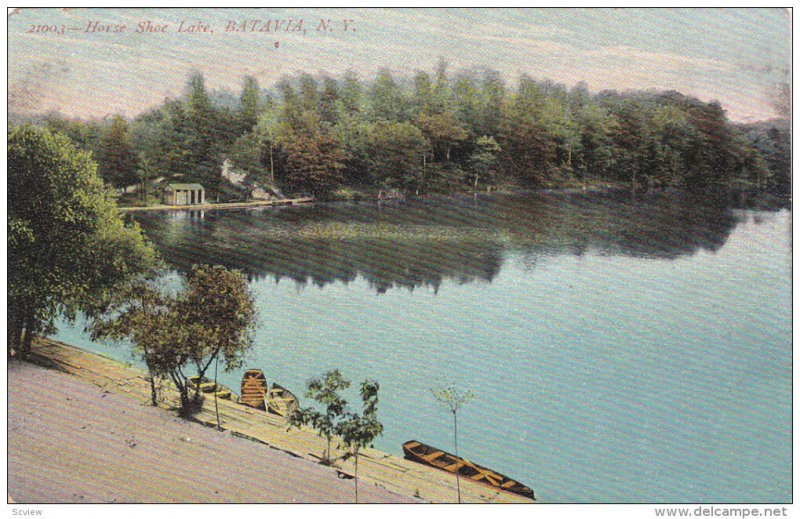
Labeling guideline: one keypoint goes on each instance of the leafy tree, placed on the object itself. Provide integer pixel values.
(309, 96)
(140, 312)
(145, 174)
(324, 390)
(250, 104)
(387, 99)
(395, 155)
(453, 398)
(494, 96)
(328, 100)
(116, 163)
(252, 154)
(351, 93)
(203, 131)
(422, 94)
(360, 430)
(468, 103)
(527, 152)
(314, 158)
(85, 135)
(441, 89)
(484, 158)
(212, 317)
(444, 131)
(353, 134)
(217, 312)
(68, 247)
(164, 135)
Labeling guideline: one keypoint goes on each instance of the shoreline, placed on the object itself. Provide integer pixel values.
(211, 207)
(566, 190)
(408, 480)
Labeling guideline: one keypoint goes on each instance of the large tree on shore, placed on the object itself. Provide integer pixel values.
(210, 319)
(68, 247)
(217, 312)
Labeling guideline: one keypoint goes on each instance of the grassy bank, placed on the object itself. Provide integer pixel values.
(394, 479)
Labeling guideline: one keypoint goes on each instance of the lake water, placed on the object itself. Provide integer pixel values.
(620, 349)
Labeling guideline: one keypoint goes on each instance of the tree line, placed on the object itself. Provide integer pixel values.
(434, 132)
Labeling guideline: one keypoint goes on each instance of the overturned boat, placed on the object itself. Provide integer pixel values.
(254, 389)
(427, 455)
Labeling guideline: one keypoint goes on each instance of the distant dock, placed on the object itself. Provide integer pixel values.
(222, 206)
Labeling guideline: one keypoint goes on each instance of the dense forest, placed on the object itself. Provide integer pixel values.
(433, 133)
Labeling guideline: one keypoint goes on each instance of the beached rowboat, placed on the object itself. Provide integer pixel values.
(208, 387)
(254, 389)
(281, 401)
(442, 460)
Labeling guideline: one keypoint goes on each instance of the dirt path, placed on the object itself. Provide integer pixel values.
(72, 442)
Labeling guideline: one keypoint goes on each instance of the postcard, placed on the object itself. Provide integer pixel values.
(400, 255)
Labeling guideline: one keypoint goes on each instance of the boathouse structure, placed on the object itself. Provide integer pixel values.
(184, 194)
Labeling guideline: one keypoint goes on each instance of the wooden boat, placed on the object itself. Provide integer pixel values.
(208, 387)
(254, 389)
(442, 460)
(281, 401)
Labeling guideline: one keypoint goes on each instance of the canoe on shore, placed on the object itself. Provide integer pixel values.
(281, 401)
(207, 387)
(254, 389)
(442, 460)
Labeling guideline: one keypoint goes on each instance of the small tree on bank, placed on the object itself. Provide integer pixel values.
(359, 431)
(453, 398)
(324, 390)
(139, 313)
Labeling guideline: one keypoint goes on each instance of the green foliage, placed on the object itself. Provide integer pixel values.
(250, 104)
(211, 318)
(219, 310)
(394, 155)
(452, 397)
(117, 165)
(360, 430)
(325, 391)
(770, 164)
(316, 135)
(141, 313)
(355, 430)
(484, 158)
(387, 100)
(68, 247)
(314, 158)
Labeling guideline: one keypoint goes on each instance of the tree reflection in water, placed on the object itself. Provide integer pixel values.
(424, 241)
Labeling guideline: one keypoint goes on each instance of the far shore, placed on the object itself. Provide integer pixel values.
(589, 188)
(224, 205)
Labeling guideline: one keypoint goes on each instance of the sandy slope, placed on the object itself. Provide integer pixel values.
(71, 442)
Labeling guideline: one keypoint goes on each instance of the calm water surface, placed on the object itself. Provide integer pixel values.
(620, 349)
